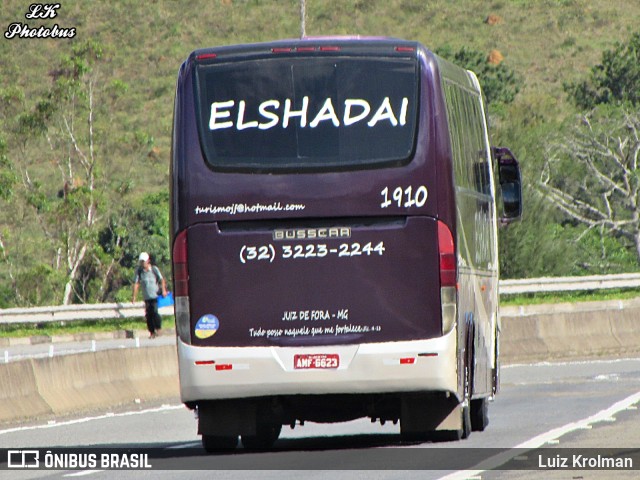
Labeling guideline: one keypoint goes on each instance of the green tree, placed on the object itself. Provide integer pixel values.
(500, 84)
(149, 230)
(616, 80)
(64, 144)
(142, 227)
(8, 177)
(593, 175)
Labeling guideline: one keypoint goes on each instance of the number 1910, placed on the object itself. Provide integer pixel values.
(404, 197)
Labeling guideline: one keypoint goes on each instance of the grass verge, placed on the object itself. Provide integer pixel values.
(13, 330)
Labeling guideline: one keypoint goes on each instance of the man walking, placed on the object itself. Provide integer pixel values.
(153, 283)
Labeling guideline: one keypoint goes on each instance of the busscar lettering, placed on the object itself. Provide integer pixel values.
(271, 113)
(312, 233)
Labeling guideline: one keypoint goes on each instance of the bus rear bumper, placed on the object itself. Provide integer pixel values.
(211, 373)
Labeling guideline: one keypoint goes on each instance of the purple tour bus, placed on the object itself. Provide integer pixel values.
(334, 242)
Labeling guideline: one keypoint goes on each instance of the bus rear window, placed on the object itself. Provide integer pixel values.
(307, 113)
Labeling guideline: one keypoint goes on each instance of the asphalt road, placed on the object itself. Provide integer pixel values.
(559, 406)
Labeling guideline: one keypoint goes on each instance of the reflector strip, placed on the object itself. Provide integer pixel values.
(224, 366)
(405, 49)
(282, 50)
(399, 361)
(329, 49)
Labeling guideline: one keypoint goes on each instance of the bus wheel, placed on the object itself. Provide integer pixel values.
(266, 435)
(216, 443)
(479, 414)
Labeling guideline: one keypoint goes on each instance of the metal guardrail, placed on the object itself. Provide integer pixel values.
(567, 284)
(70, 313)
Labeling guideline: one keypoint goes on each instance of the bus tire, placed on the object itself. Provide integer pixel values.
(266, 435)
(216, 443)
(479, 414)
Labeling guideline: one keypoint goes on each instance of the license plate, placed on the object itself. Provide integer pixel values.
(318, 360)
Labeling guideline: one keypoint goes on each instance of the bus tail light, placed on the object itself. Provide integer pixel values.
(448, 277)
(447, 253)
(206, 56)
(181, 287)
(405, 49)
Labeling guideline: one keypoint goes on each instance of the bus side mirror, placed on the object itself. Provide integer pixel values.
(510, 184)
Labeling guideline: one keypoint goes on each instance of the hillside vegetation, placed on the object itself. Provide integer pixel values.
(125, 55)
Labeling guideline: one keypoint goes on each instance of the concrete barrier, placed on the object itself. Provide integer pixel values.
(570, 331)
(19, 395)
(66, 384)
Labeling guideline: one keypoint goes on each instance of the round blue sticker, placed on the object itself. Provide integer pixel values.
(207, 326)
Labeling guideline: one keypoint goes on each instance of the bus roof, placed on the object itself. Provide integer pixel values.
(310, 45)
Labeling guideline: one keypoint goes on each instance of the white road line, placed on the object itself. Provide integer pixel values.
(571, 362)
(83, 473)
(551, 436)
(55, 424)
(184, 445)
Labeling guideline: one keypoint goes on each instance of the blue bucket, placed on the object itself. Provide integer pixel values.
(165, 301)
